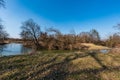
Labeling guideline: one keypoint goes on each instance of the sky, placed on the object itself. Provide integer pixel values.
(65, 15)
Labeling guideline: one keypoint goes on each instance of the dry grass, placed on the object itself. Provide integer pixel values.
(93, 46)
(61, 66)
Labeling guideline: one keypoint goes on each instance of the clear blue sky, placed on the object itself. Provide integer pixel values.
(65, 15)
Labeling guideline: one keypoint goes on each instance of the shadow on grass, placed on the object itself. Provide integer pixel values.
(94, 56)
(59, 70)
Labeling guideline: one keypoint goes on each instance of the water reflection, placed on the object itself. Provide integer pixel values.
(25, 50)
(2, 49)
(13, 49)
(105, 51)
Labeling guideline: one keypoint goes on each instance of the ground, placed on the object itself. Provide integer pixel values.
(55, 65)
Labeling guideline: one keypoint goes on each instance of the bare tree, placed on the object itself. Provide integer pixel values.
(31, 31)
(58, 42)
(118, 28)
(3, 34)
(113, 40)
(2, 3)
(85, 37)
(94, 36)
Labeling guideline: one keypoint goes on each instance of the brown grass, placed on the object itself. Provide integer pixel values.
(94, 47)
(61, 66)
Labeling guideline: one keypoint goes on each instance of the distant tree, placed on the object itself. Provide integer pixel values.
(69, 40)
(3, 34)
(85, 37)
(56, 32)
(2, 3)
(58, 41)
(117, 27)
(31, 31)
(95, 37)
(73, 36)
(113, 40)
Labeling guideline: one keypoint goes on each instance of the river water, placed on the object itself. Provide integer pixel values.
(13, 49)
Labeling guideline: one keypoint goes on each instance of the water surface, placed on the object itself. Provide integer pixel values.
(13, 49)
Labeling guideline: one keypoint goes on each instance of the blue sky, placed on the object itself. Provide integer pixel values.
(65, 15)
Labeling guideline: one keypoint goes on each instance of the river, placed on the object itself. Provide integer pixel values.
(13, 49)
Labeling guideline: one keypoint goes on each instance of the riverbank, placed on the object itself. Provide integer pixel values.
(61, 66)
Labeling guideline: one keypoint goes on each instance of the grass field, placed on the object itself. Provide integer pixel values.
(61, 66)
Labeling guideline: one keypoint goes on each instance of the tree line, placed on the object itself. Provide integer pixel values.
(53, 39)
